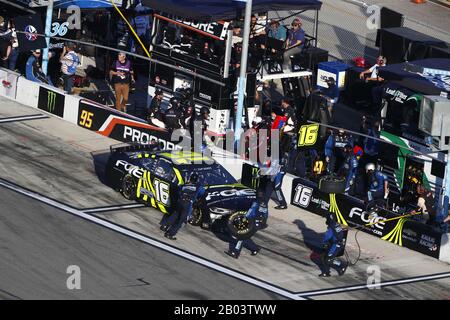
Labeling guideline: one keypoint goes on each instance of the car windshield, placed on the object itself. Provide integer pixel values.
(212, 175)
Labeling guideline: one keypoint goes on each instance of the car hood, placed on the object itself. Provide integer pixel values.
(232, 196)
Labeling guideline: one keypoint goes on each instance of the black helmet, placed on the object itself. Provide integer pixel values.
(193, 178)
(175, 102)
(204, 110)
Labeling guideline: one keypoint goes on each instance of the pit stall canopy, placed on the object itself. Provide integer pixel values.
(214, 10)
(172, 69)
(414, 75)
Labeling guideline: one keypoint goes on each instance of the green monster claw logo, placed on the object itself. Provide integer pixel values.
(335, 209)
(395, 236)
(51, 101)
(255, 177)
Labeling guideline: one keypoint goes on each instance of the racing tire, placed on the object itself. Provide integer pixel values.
(128, 187)
(332, 184)
(196, 219)
(240, 227)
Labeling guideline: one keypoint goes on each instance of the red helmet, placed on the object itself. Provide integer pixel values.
(358, 151)
(360, 62)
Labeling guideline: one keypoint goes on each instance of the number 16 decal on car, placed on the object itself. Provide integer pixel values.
(307, 135)
(156, 192)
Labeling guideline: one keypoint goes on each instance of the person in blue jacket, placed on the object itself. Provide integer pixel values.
(349, 168)
(333, 243)
(190, 192)
(378, 186)
(33, 69)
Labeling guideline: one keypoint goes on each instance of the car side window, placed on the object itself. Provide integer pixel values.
(165, 171)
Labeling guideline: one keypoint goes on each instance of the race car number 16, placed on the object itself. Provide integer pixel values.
(307, 135)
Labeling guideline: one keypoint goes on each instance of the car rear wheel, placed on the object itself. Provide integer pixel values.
(240, 227)
(129, 187)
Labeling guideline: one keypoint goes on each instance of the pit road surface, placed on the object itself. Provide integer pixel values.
(53, 160)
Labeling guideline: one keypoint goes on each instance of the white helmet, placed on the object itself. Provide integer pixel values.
(370, 167)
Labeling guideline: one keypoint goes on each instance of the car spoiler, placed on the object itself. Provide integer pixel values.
(133, 146)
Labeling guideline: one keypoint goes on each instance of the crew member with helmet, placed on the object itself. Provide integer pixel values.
(349, 168)
(155, 115)
(333, 243)
(260, 213)
(199, 127)
(334, 149)
(378, 186)
(276, 173)
(190, 193)
(173, 114)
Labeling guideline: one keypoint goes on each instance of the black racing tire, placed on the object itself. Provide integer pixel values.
(197, 215)
(240, 227)
(332, 184)
(128, 187)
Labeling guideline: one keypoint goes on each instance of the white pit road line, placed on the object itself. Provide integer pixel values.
(23, 118)
(152, 242)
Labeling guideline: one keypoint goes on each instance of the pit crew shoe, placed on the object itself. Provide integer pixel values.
(280, 207)
(164, 228)
(325, 275)
(232, 254)
(342, 271)
(168, 236)
(255, 252)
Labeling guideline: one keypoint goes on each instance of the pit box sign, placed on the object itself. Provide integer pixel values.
(118, 126)
(350, 211)
(308, 135)
(51, 101)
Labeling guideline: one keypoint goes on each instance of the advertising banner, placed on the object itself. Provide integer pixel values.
(51, 101)
(350, 211)
(119, 126)
(28, 30)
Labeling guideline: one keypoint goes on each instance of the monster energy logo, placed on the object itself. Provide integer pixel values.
(51, 101)
(255, 177)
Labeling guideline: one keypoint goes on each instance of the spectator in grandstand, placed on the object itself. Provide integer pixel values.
(257, 28)
(277, 31)
(121, 75)
(33, 69)
(237, 35)
(155, 116)
(69, 63)
(295, 41)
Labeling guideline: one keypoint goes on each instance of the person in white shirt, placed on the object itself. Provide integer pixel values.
(381, 62)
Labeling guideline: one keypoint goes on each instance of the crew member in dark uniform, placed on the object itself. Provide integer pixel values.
(155, 116)
(333, 243)
(173, 115)
(191, 192)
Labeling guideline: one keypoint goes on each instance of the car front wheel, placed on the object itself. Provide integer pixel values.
(129, 187)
